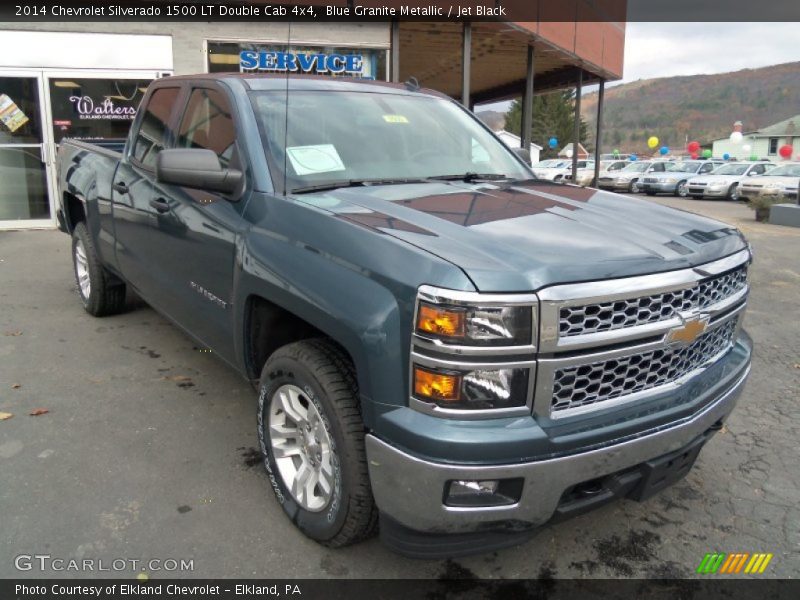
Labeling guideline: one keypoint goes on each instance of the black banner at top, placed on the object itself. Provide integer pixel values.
(613, 11)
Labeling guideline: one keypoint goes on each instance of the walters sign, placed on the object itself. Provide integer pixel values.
(88, 108)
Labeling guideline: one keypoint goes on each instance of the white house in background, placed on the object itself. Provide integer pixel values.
(513, 141)
(765, 142)
(566, 152)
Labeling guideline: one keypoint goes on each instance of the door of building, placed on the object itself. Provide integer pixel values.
(25, 161)
(40, 108)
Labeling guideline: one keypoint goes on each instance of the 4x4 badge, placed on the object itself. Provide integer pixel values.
(688, 331)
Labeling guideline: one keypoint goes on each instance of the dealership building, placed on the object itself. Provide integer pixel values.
(86, 79)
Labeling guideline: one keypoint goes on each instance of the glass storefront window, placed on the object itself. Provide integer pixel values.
(94, 109)
(235, 57)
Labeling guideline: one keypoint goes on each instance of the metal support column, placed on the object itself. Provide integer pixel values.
(601, 92)
(576, 138)
(394, 66)
(466, 58)
(527, 103)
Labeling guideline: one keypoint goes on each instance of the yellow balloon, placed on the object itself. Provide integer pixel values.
(652, 142)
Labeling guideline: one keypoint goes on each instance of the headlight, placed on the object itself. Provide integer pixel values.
(451, 321)
(480, 388)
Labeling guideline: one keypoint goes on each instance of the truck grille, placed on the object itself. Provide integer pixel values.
(600, 381)
(607, 316)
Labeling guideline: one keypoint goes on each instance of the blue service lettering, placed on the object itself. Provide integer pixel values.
(267, 60)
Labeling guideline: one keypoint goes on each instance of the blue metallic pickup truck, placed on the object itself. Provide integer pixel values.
(445, 348)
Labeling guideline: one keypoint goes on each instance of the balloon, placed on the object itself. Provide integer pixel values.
(652, 142)
(569, 153)
(552, 142)
(694, 155)
(753, 157)
(616, 152)
(736, 137)
(633, 157)
(785, 151)
(663, 151)
(693, 146)
(726, 156)
(706, 153)
(747, 148)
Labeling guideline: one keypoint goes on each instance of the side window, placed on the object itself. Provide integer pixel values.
(706, 168)
(658, 167)
(207, 124)
(757, 170)
(152, 134)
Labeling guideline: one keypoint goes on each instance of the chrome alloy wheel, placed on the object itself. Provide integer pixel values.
(683, 191)
(82, 270)
(301, 447)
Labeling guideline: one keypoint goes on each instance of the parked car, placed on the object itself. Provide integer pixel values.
(559, 170)
(724, 181)
(783, 180)
(547, 169)
(628, 179)
(440, 341)
(675, 175)
(586, 175)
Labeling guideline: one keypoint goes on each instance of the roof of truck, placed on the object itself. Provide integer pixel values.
(278, 81)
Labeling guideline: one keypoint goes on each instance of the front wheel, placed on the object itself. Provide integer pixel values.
(312, 439)
(100, 293)
(682, 190)
(634, 187)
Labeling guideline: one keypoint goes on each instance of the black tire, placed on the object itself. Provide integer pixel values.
(327, 378)
(680, 190)
(650, 193)
(733, 193)
(634, 188)
(106, 293)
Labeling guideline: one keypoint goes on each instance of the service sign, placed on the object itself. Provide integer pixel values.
(301, 62)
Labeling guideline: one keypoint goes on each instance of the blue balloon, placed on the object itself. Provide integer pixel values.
(664, 150)
(726, 156)
(552, 142)
(633, 157)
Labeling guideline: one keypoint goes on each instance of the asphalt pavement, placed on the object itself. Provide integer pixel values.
(148, 449)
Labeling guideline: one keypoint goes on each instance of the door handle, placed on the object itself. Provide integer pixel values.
(120, 187)
(160, 205)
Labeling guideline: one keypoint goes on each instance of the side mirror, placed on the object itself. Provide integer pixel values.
(196, 168)
(524, 154)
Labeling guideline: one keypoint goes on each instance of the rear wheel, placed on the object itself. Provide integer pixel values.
(100, 292)
(635, 188)
(682, 190)
(733, 192)
(312, 438)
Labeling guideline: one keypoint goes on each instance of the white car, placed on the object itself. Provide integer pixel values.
(559, 169)
(782, 180)
(585, 176)
(724, 181)
(628, 179)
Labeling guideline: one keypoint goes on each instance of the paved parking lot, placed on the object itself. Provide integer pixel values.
(148, 448)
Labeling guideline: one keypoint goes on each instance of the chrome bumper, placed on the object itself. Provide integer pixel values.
(661, 186)
(410, 490)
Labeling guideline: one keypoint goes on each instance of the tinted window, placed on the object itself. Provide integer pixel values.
(152, 135)
(208, 125)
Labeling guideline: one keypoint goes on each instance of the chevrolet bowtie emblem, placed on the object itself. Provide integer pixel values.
(688, 331)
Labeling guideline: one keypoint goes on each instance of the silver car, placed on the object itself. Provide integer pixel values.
(724, 181)
(676, 174)
(548, 169)
(629, 178)
(585, 176)
(782, 180)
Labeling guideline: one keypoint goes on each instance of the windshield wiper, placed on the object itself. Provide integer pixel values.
(470, 177)
(333, 185)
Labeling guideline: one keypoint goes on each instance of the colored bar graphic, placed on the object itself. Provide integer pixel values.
(734, 563)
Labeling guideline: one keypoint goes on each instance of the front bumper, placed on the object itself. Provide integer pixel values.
(660, 187)
(410, 490)
(708, 192)
(614, 185)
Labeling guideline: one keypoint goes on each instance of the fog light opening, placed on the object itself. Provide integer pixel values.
(482, 492)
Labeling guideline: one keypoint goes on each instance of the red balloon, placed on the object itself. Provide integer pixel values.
(693, 146)
(785, 151)
(694, 155)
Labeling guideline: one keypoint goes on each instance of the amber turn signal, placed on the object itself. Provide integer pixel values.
(436, 386)
(440, 321)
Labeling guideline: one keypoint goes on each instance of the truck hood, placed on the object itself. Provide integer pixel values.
(516, 238)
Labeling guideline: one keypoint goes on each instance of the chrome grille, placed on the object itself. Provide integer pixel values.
(597, 382)
(607, 316)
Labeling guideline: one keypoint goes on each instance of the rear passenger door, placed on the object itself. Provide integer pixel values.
(132, 193)
(195, 231)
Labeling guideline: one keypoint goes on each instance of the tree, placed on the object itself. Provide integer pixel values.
(553, 116)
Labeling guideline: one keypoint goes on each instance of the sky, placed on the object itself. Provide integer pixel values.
(666, 49)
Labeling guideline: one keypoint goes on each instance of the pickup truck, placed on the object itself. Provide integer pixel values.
(442, 344)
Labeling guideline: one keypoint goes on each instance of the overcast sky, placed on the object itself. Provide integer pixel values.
(666, 49)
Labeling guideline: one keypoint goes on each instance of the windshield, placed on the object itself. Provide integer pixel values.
(341, 137)
(545, 164)
(736, 169)
(682, 167)
(636, 167)
(785, 171)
